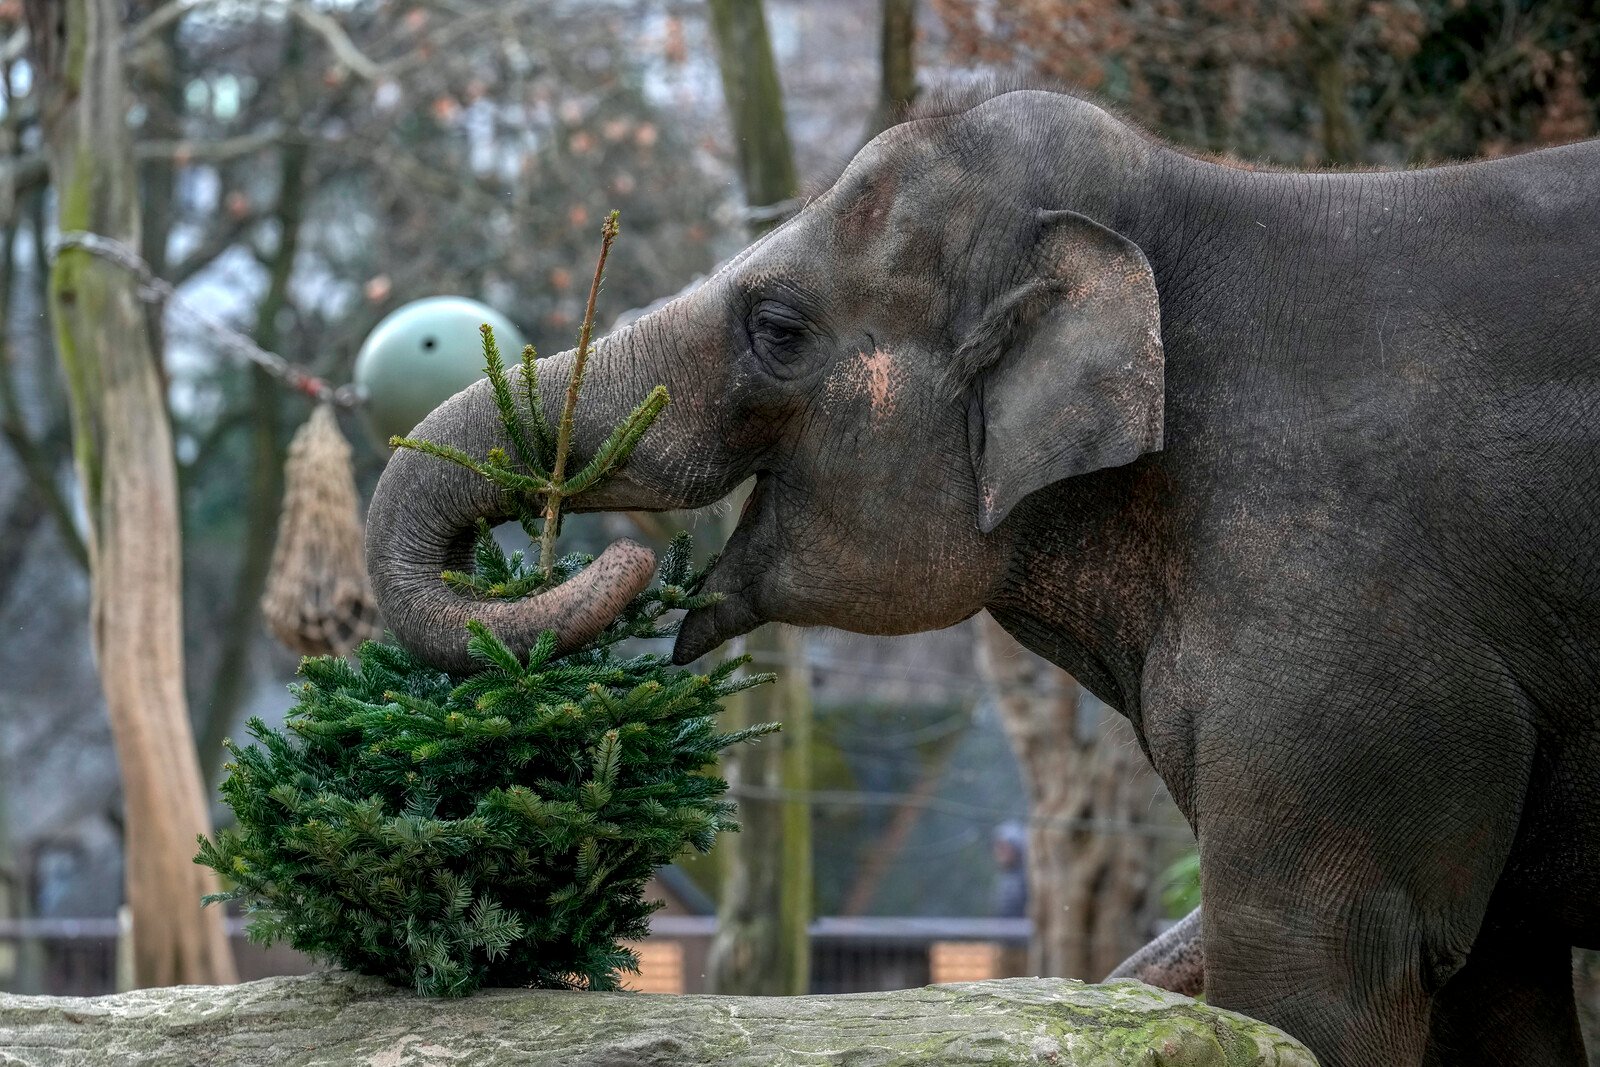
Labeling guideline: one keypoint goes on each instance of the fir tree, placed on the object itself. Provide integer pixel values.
(446, 832)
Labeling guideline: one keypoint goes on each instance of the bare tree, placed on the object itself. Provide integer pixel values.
(123, 448)
(1092, 889)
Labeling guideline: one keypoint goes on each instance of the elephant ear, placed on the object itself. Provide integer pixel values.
(1067, 367)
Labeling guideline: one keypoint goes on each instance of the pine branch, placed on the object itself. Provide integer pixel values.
(620, 445)
(543, 435)
(446, 452)
(515, 429)
(552, 507)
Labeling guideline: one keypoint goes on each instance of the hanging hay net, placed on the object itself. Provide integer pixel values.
(318, 601)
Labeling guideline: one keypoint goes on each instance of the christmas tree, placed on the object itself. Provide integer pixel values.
(447, 832)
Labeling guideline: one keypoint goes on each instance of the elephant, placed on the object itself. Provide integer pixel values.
(1300, 471)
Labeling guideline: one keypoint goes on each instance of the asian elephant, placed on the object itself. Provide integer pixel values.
(1300, 471)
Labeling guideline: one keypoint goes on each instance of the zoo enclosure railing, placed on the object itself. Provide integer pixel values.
(78, 956)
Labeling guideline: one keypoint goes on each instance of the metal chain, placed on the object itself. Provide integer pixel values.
(157, 290)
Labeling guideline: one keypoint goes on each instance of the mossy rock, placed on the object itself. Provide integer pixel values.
(336, 1018)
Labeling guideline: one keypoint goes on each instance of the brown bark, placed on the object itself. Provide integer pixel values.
(1325, 38)
(754, 99)
(1092, 890)
(897, 65)
(123, 448)
(153, 80)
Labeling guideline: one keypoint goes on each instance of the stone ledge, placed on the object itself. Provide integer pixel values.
(339, 1019)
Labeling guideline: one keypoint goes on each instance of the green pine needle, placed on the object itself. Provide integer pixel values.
(619, 446)
(446, 452)
(516, 428)
(545, 437)
(449, 832)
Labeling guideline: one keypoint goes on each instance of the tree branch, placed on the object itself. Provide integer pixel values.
(188, 150)
(897, 52)
(338, 42)
(216, 242)
(325, 26)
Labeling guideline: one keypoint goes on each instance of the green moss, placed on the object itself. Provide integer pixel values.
(76, 210)
(332, 1018)
(77, 297)
(76, 22)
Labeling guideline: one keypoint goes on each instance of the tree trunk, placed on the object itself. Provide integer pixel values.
(123, 447)
(1092, 890)
(230, 681)
(754, 99)
(155, 82)
(897, 60)
(762, 947)
(1326, 39)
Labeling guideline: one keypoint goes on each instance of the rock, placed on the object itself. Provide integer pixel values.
(339, 1019)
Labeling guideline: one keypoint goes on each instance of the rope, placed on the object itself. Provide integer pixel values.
(159, 291)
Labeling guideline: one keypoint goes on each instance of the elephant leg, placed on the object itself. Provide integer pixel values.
(1174, 961)
(1347, 869)
(1510, 1006)
(1351, 988)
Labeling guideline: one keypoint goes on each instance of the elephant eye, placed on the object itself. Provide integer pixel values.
(776, 330)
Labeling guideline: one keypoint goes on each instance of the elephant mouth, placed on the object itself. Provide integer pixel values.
(705, 628)
(736, 577)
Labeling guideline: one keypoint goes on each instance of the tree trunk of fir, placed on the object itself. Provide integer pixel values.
(763, 943)
(123, 446)
(1092, 893)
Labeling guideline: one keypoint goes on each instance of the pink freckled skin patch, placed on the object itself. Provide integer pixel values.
(874, 377)
(880, 369)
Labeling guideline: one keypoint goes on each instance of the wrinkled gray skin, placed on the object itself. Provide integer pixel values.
(1326, 534)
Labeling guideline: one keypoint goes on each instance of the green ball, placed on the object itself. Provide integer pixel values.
(422, 354)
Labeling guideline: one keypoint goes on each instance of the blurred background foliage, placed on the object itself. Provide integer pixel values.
(1308, 82)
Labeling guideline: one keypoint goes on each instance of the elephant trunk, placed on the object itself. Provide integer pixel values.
(422, 521)
(425, 510)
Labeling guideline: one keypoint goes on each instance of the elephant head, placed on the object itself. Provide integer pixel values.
(935, 338)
